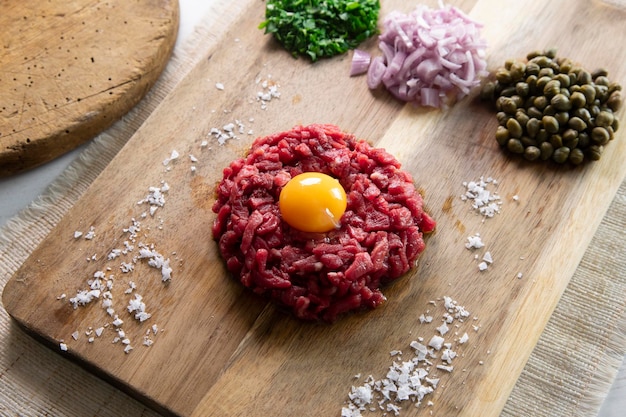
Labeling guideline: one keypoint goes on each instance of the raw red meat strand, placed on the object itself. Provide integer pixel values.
(319, 276)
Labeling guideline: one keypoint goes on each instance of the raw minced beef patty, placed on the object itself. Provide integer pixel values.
(319, 275)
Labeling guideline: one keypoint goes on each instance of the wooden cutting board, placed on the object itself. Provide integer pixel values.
(222, 351)
(69, 69)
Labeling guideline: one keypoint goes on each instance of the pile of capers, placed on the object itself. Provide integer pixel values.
(550, 108)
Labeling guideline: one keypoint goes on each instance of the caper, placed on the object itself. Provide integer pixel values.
(563, 79)
(502, 135)
(541, 83)
(487, 91)
(547, 150)
(583, 114)
(532, 127)
(522, 89)
(515, 146)
(502, 117)
(578, 99)
(508, 91)
(589, 92)
(552, 88)
(584, 77)
(541, 102)
(534, 112)
(532, 69)
(614, 87)
(604, 119)
(550, 124)
(500, 103)
(521, 117)
(577, 124)
(561, 154)
(576, 156)
(601, 80)
(531, 153)
(562, 117)
(611, 133)
(517, 70)
(615, 101)
(600, 72)
(531, 80)
(528, 141)
(602, 92)
(565, 66)
(503, 76)
(594, 152)
(541, 60)
(600, 135)
(556, 141)
(546, 72)
(515, 130)
(570, 138)
(550, 53)
(509, 105)
(594, 110)
(615, 124)
(583, 140)
(542, 135)
(519, 100)
(561, 102)
(549, 110)
(533, 54)
(508, 62)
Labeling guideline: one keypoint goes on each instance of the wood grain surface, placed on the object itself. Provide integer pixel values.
(69, 69)
(223, 351)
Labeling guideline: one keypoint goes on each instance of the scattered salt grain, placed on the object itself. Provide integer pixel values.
(63, 347)
(464, 339)
(77, 234)
(425, 319)
(173, 156)
(408, 380)
(138, 307)
(447, 368)
(487, 257)
(268, 92)
(436, 342)
(482, 199)
(482, 266)
(474, 242)
(91, 233)
(219, 86)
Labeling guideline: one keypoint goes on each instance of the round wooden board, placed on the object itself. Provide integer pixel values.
(70, 68)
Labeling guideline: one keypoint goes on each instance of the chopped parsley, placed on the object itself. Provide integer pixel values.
(320, 28)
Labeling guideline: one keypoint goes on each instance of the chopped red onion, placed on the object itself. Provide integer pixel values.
(431, 57)
(360, 62)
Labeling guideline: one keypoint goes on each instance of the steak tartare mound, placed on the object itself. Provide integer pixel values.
(319, 276)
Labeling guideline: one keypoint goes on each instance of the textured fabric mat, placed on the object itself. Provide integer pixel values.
(568, 374)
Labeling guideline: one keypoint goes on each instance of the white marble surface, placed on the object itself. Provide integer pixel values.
(19, 191)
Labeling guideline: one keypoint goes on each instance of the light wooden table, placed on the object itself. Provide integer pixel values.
(19, 191)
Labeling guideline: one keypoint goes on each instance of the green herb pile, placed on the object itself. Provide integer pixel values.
(320, 28)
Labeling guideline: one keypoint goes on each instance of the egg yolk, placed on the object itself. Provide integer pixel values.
(313, 202)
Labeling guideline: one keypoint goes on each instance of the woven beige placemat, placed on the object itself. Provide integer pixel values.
(568, 374)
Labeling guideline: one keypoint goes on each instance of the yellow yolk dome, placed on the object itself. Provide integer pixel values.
(313, 202)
